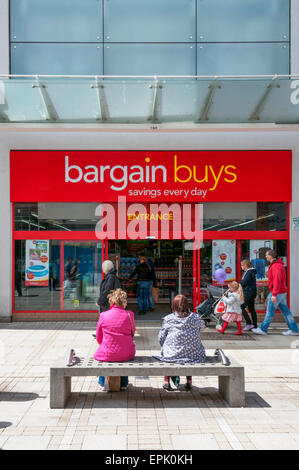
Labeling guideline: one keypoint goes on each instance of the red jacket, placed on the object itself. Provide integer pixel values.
(277, 277)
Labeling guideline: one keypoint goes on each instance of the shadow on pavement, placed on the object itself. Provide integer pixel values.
(18, 396)
(63, 326)
(199, 397)
(5, 424)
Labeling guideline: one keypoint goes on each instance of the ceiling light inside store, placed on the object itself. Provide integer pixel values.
(31, 223)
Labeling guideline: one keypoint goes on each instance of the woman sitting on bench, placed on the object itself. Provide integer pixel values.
(115, 333)
(180, 340)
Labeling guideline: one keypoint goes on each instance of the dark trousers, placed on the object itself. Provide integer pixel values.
(249, 303)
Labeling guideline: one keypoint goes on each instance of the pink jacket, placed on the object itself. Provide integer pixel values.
(114, 335)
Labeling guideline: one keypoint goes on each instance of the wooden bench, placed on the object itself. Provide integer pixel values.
(230, 374)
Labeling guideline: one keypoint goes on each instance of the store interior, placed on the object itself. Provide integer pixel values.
(164, 255)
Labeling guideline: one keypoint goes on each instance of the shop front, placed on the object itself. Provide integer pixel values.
(191, 212)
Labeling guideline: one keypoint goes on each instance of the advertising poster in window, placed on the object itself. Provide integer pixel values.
(37, 263)
(258, 249)
(224, 257)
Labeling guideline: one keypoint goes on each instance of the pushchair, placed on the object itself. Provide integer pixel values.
(206, 310)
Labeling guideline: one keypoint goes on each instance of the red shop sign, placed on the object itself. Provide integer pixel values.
(149, 176)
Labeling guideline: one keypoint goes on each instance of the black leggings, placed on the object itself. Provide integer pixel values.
(249, 302)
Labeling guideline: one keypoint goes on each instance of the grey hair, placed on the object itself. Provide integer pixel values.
(107, 266)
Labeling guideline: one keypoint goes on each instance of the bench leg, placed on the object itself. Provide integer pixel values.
(60, 389)
(232, 389)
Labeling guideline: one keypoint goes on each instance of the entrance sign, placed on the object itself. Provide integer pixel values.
(133, 221)
(149, 176)
(37, 263)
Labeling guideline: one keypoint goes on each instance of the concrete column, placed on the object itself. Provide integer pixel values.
(294, 211)
(5, 237)
(4, 36)
(294, 238)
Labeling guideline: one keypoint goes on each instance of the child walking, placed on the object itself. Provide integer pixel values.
(233, 300)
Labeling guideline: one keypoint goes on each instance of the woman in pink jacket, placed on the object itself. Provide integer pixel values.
(115, 333)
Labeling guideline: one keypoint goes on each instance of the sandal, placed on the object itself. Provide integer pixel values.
(176, 381)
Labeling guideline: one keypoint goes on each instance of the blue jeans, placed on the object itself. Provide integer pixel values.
(281, 304)
(143, 293)
(123, 381)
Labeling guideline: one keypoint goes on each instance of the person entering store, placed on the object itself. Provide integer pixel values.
(144, 282)
(108, 284)
(248, 284)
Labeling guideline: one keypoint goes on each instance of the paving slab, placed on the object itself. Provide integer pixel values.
(274, 441)
(104, 442)
(145, 416)
(195, 442)
(26, 443)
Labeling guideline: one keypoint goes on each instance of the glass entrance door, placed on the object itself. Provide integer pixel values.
(82, 274)
(171, 262)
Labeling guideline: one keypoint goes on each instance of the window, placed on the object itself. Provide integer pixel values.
(72, 275)
(218, 216)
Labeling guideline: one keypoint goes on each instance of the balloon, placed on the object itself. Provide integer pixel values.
(220, 275)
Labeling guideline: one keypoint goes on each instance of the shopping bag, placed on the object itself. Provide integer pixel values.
(220, 307)
(114, 383)
(155, 294)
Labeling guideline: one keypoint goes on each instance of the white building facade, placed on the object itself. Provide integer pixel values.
(151, 135)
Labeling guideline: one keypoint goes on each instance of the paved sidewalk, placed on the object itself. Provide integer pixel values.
(145, 417)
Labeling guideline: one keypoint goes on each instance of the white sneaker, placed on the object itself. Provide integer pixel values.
(258, 331)
(248, 327)
(290, 333)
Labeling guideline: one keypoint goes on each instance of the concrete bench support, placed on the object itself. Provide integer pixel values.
(230, 375)
(60, 388)
(232, 388)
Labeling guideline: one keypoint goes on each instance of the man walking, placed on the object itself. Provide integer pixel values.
(277, 297)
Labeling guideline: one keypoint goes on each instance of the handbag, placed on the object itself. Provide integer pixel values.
(220, 308)
(155, 294)
(113, 383)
